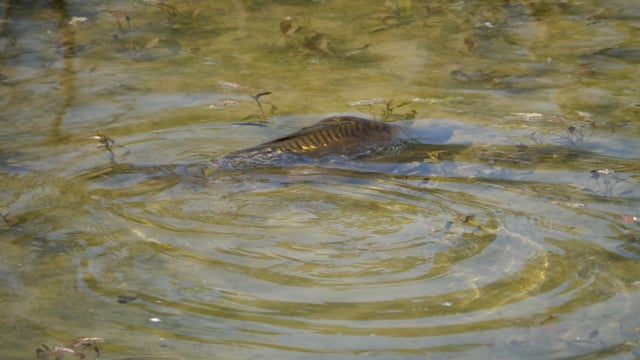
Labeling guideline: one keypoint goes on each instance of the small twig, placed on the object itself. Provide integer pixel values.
(105, 142)
(256, 97)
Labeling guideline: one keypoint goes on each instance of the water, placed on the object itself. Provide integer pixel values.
(506, 230)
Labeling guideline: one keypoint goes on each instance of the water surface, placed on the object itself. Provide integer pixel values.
(506, 229)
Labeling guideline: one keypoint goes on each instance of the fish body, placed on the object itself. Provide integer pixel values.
(339, 135)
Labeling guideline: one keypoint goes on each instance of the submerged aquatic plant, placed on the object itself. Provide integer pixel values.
(105, 142)
(121, 16)
(256, 98)
(76, 349)
(389, 106)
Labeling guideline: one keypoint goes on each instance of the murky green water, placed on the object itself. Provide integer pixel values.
(507, 229)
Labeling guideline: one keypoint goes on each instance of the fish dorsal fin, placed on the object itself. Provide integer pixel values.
(340, 129)
(338, 135)
(338, 119)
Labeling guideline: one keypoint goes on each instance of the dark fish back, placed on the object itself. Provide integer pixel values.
(336, 134)
(340, 135)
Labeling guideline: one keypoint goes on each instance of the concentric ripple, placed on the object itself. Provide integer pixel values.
(406, 257)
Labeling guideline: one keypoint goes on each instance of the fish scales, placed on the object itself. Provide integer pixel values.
(339, 135)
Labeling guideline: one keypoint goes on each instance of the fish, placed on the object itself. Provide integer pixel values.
(337, 135)
(345, 137)
(349, 136)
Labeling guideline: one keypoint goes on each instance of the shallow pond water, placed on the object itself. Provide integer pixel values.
(507, 227)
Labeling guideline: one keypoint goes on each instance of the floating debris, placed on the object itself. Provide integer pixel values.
(76, 349)
(287, 27)
(367, 102)
(231, 85)
(595, 174)
(585, 116)
(475, 76)
(470, 42)
(7, 43)
(317, 41)
(525, 116)
(152, 43)
(105, 142)
(389, 107)
(569, 204)
(195, 15)
(630, 219)
(123, 299)
(464, 218)
(121, 16)
(86, 341)
(356, 50)
(435, 156)
(256, 98)
(171, 10)
(420, 100)
(222, 104)
(77, 20)
(388, 18)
